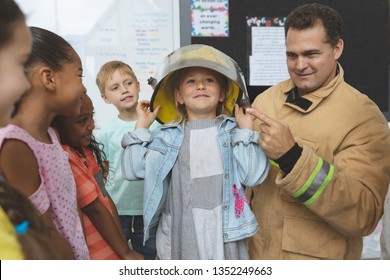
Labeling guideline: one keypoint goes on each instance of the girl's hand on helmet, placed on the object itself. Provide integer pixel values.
(244, 121)
(144, 116)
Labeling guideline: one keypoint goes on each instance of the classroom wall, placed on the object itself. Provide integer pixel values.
(366, 34)
(139, 33)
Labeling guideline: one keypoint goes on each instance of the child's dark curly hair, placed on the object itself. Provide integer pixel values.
(97, 149)
(94, 145)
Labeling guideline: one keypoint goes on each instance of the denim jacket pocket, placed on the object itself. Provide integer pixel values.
(158, 144)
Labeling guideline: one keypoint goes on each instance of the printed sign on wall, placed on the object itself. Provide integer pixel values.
(210, 18)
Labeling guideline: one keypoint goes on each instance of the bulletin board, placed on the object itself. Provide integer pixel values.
(366, 34)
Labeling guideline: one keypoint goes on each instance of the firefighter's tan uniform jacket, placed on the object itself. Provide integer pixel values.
(334, 194)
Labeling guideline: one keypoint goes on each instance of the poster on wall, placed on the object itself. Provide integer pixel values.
(209, 18)
(266, 50)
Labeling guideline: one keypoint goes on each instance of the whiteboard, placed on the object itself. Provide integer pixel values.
(139, 32)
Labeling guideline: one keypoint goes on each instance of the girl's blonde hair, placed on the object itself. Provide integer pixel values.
(108, 69)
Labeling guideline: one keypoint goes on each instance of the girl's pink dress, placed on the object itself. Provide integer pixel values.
(57, 191)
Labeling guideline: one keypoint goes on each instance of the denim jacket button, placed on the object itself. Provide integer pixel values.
(226, 207)
(226, 176)
(225, 144)
(225, 236)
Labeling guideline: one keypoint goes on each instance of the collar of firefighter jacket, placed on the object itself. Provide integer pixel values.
(310, 101)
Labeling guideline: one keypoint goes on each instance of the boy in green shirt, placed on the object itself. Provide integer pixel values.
(119, 86)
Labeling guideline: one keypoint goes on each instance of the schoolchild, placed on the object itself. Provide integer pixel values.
(22, 235)
(103, 232)
(119, 86)
(15, 48)
(197, 165)
(31, 157)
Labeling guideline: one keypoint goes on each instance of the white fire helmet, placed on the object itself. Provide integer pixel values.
(196, 55)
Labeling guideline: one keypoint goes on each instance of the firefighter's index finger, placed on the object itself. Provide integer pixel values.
(261, 116)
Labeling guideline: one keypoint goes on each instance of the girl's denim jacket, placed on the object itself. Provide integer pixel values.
(150, 155)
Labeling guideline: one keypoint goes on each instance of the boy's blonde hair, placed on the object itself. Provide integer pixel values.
(108, 69)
